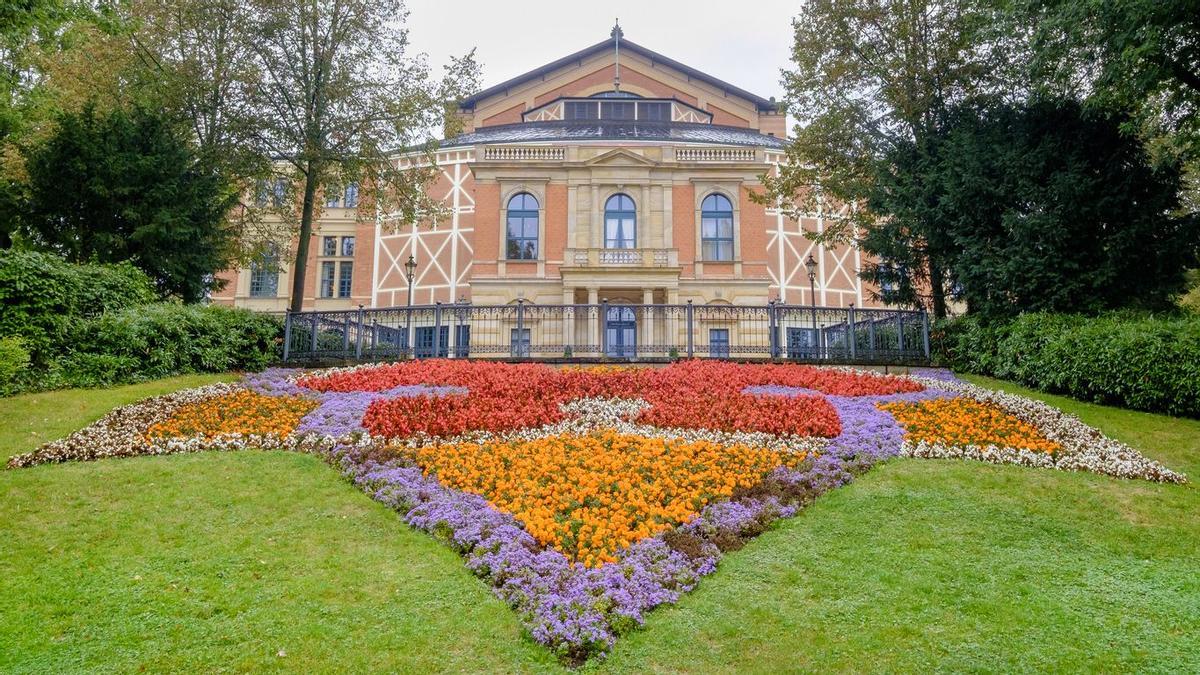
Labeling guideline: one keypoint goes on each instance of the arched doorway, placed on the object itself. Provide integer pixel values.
(620, 327)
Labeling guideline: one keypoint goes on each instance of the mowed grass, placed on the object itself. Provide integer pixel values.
(270, 561)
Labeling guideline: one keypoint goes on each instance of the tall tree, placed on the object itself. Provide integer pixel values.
(116, 186)
(1132, 55)
(1051, 207)
(334, 94)
(196, 59)
(871, 76)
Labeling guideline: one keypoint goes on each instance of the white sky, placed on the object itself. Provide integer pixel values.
(744, 43)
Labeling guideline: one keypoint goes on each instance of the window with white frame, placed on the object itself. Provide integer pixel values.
(337, 267)
(264, 274)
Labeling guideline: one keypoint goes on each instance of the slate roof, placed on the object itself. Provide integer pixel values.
(608, 45)
(604, 130)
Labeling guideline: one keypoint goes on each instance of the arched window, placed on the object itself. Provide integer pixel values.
(620, 222)
(522, 227)
(716, 228)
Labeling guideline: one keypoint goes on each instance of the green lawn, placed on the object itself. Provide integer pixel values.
(251, 561)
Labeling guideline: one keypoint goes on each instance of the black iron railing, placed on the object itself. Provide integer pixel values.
(609, 331)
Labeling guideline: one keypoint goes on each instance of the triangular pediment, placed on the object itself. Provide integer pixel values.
(620, 157)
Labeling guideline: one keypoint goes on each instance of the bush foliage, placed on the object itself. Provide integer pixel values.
(14, 359)
(159, 340)
(41, 295)
(1136, 361)
(95, 325)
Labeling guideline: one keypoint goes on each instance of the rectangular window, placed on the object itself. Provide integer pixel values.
(520, 340)
(278, 194)
(802, 343)
(654, 112)
(333, 197)
(327, 279)
(522, 238)
(352, 196)
(462, 341)
(718, 343)
(348, 247)
(264, 275)
(329, 246)
(581, 110)
(616, 110)
(716, 239)
(345, 278)
(261, 193)
(423, 342)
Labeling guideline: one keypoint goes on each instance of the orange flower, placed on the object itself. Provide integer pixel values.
(961, 421)
(589, 496)
(238, 412)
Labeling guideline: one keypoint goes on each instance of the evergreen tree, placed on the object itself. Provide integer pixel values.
(127, 185)
(1048, 206)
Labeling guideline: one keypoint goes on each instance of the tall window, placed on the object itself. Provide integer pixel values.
(327, 270)
(336, 198)
(620, 222)
(522, 238)
(333, 198)
(264, 274)
(718, 342)
(337, 267)
(716, 228)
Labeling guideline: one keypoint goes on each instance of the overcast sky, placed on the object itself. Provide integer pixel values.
(743, 43)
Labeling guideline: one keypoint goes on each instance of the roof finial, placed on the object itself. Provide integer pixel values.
(616, 36)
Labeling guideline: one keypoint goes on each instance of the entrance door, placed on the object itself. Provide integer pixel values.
(621, 330)
(423, 341)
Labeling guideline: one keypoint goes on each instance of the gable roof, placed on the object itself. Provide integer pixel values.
(610, 45)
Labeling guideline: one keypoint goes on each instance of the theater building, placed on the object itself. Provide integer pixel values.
(613, 174)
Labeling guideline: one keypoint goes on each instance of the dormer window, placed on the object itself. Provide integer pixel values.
(621, 108)
(616, 110)
(658, 111)
(582, 110)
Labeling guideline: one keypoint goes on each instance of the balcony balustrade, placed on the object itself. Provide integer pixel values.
(621, 257)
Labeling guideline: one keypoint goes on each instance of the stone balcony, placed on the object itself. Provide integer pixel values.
(622, 258)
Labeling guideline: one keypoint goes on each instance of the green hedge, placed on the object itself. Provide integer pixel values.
(42, 296)
(1135, 361)
(160, 340)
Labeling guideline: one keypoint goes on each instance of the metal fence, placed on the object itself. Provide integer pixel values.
(609, 331)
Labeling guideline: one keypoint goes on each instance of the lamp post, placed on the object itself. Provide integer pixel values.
(410, 273)
(811, 264)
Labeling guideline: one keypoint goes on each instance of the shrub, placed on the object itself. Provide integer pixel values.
(14, 360)
(159, 340)
(41, 295)
(1136, 361)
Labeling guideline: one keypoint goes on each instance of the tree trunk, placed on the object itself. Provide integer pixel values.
(300, 267)
(937, 290)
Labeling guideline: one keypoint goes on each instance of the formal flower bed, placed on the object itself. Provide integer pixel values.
(238, 412)
(588, 496)
(965, 422)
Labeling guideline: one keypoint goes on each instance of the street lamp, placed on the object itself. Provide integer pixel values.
(811, 264)
(410, 273)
